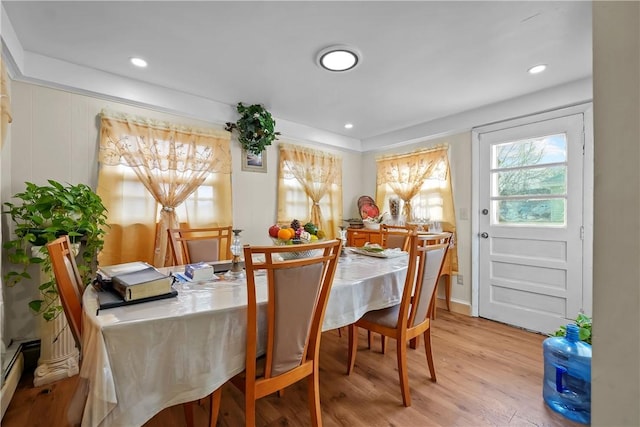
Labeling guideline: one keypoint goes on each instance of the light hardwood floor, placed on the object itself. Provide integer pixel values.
(489, 374)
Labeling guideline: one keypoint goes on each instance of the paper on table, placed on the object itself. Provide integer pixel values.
(183, 278)
(384, 253)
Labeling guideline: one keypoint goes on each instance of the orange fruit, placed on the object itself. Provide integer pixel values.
(284, 234)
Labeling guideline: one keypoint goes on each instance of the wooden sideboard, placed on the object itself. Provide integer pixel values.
(359, 236)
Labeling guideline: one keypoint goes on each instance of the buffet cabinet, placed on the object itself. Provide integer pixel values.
(359, 236)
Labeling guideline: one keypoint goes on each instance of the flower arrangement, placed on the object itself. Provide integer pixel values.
(373, 223)
(296, 233)
(256, 127)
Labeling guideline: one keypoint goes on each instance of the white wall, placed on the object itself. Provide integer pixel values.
(616, 270)
(55, 135)
(5, 168)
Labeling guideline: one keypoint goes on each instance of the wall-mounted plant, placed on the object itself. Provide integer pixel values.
(256, 127)
(45, 213)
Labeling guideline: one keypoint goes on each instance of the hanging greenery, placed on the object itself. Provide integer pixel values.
(256, 127)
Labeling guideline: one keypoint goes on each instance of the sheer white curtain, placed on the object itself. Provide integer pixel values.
(319, 175)
(422, 180)
(170, 161)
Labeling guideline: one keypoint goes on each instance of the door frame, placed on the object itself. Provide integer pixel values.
(586, 110)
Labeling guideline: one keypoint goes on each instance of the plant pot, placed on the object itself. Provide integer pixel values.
(371, 225)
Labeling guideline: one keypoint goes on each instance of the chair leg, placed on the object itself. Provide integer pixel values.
(369, 340)
(383, 343)
(414, 342)
(215, 399)
(353, 347)
(427, 350)
(314, 398)
(402, 371)
(249, 410)
(188, 413)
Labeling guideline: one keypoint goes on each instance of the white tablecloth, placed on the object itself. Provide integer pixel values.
(143, 358)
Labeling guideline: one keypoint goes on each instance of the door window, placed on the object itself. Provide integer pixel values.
(529, 182)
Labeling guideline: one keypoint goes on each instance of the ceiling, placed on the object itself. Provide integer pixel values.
(421, 61)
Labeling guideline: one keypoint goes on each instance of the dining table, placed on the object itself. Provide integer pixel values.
(139, 359)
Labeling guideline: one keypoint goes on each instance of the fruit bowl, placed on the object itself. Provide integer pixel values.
(296, 234)
(296, 254)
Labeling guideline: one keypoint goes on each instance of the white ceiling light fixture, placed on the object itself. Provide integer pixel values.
(338, 58)
(537, 69)
(138, 62)
(348, 125)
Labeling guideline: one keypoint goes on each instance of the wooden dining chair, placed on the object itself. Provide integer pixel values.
(392, 236)
(411, 317)
(396, 236)
(190, 245)
(69, 284)
(297, 295)
(445, 236)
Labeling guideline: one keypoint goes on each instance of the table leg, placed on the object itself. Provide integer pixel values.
(447, 291)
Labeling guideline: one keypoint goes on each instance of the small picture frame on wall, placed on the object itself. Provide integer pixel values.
(254, 162)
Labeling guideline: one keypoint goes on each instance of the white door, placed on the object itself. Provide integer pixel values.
(531, 223)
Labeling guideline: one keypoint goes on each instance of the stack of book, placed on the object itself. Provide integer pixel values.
(135, 281)
(199, 272)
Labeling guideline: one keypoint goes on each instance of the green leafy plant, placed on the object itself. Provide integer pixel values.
(584, 324)
(256, 127)
(45, 213)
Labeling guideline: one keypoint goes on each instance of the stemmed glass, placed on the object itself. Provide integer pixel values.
(236, 272)
(343, 237)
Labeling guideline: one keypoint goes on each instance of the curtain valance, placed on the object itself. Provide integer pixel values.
(136, 141)
(411, 168)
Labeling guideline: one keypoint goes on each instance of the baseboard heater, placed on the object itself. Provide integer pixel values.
(13, 364)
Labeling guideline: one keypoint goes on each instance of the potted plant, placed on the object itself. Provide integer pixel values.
(583, 322)
(45, 213)
(256, 128)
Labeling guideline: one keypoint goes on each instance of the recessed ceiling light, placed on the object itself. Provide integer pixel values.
(348, 125)
(138, 62)
(338, 58)
(537, 69)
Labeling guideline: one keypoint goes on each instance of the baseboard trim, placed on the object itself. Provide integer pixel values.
(456, 307)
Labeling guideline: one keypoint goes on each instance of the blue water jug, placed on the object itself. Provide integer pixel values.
(567, 375)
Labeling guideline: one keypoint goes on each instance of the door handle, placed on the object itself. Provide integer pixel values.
(484, 235)
(485, 211)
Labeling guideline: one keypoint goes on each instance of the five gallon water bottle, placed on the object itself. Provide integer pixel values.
(567, 375)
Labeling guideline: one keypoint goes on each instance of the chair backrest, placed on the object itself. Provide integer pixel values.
(298, 290)
(396, 236)
(429, 252)
(190, 245)
(68, 283)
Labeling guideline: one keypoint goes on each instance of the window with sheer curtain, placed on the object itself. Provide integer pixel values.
(421, 182)
(155, 176)
(310, 187)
